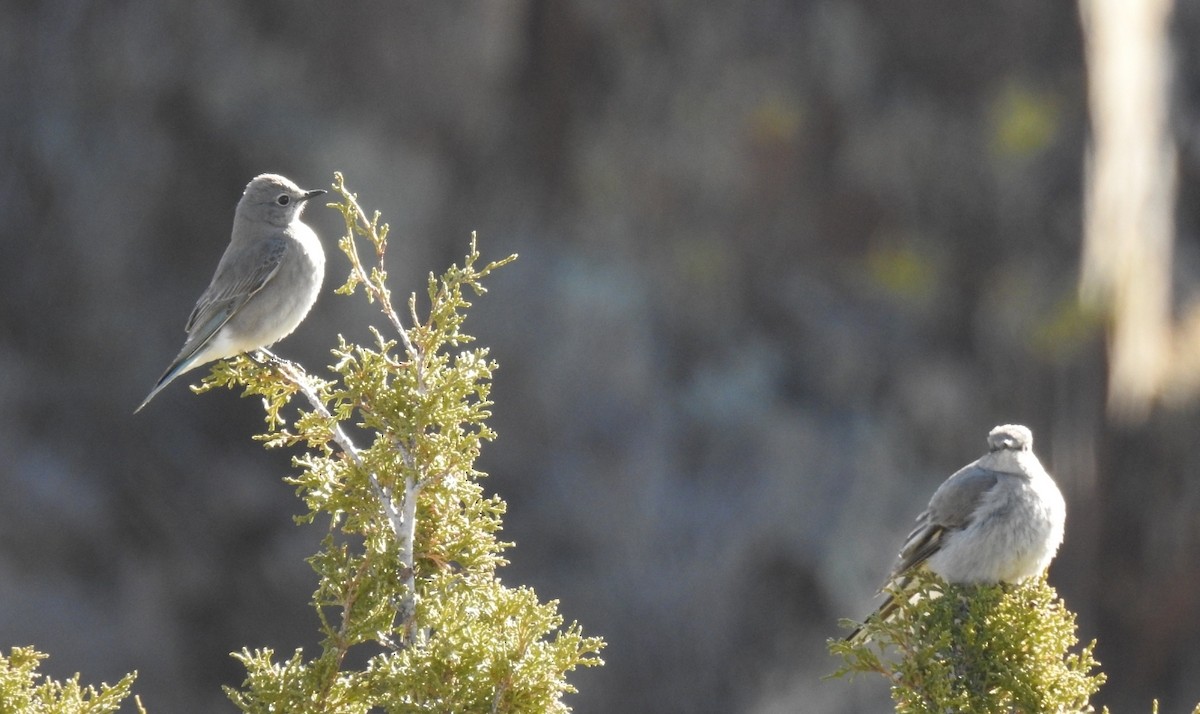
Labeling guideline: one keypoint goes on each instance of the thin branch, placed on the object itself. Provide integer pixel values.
(359, 224)
(406, 538)
(403, 520)
(500, 690)
(379, 292)
(298, 377)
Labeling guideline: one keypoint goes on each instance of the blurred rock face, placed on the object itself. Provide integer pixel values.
(782, 264)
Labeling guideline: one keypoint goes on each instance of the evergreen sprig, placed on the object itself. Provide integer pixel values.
(975, 648)
(407, 572)
(22, 690)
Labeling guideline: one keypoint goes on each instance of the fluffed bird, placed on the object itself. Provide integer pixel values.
(999, 519)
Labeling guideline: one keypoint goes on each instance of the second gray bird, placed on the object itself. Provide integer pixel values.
(1000, 519)
(265, 284)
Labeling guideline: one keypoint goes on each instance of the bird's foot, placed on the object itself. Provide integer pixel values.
(266, 357)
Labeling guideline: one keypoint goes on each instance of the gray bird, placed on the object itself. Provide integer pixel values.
(265, 284)
(999, 519)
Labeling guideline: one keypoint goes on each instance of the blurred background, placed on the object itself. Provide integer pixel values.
(783, 265)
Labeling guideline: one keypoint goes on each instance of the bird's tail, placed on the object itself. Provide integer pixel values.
(897, 583)
(882, 614)
(182, 363)
(901, 585)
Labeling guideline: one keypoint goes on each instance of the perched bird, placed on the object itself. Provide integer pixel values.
(997, 520)
(265, 284)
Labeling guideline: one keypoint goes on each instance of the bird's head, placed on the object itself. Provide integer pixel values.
(274, 199)
(1010, 437)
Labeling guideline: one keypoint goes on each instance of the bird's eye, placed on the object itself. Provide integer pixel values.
(283, 199)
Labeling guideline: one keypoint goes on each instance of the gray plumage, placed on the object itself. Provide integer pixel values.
(265, 284)
(999, 519)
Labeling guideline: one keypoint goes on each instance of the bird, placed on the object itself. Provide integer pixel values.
(999, 519)
(264, 285)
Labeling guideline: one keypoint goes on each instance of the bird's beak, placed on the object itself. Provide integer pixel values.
(314, 193)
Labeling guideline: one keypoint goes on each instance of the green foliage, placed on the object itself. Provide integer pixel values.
(976, 648)
(20, 690)
(407, 574)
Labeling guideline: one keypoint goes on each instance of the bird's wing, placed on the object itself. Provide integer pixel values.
(233, 285)
(950, 509)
